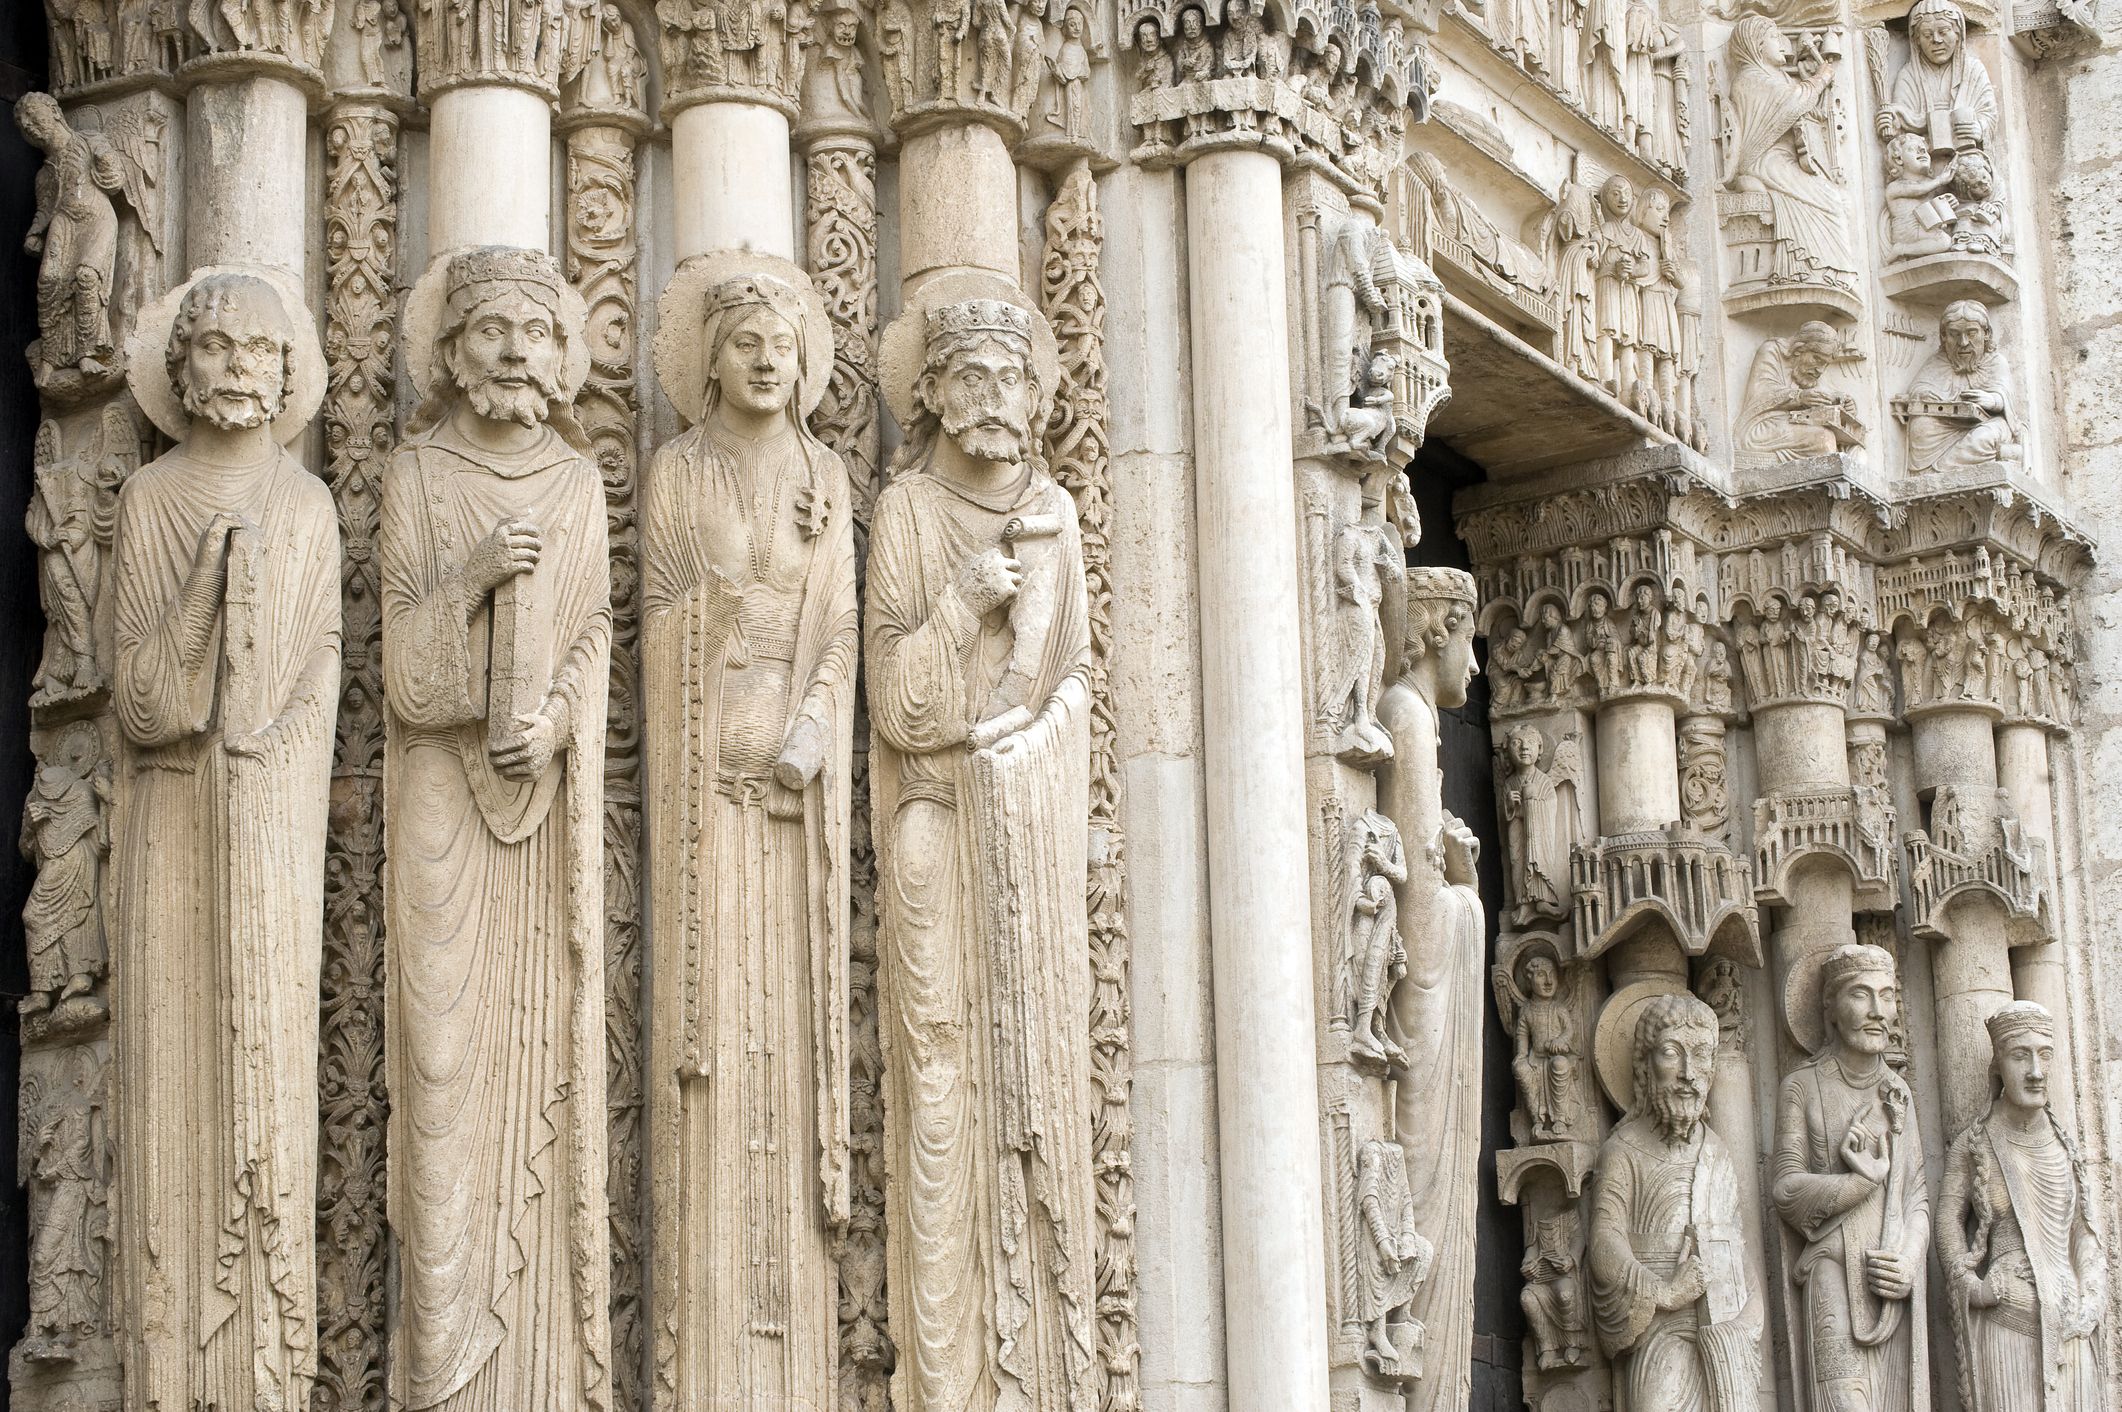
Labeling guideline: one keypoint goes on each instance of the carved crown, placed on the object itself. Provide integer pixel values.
(1436, 583)
(979, 316)
(501, 265)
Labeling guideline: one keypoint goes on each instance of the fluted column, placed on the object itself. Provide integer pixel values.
(1253, 717)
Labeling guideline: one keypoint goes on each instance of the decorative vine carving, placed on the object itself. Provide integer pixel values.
(603, 263)
(1080, 456)
(360, 253)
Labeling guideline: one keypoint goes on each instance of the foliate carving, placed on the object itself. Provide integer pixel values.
(751, 51)
(1785, 413)
(2025, 1272)
(1947, 230)
(1705, 798)
(1339, 86)
(981, 756)
(749, 639)
(1542, 794)
(534, 44)
(66, 1165)
(225, 681)
(97, 232)
(360, 250)
(1782, 191)
(495, 569)
(1081, 462)
(1957, 410)
(601, 261)
(1553, 1296)
(1848, 1181)
(841, 206)
(1670, 1287)
(1393, 1261)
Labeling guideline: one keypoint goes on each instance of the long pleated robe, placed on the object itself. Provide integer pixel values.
(495, 933)
(1436, 1020)
(749, 591)
(217, 932)
(983, 951)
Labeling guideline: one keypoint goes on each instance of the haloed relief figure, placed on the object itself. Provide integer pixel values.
(977, 654)
(496, 656)
(226, 680)
(749, 678)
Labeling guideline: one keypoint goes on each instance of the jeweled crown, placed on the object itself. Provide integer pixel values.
(979, 316)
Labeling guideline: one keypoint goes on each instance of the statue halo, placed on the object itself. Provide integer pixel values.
(904, 348)
(681, 353)
(146, 351)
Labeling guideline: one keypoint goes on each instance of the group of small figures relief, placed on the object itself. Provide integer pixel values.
(1619, 62)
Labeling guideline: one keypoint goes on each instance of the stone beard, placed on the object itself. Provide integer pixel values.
(226, 633)
(1435, 1015)
(1670, 1289)
(1848, 1180)
(750, 634)
(978, 644)
(496, 599)
(1967, 369)
(2026, 1275)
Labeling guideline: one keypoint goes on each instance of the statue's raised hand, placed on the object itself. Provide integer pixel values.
(510, 548)
(988, 580)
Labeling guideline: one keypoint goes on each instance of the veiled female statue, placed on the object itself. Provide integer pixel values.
(225, 687)
(2025, 1274)
(1774, 148)
(748, 659)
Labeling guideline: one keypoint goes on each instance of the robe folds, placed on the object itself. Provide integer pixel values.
(1654, 1206)
(984, 965)
(749, 623)
(1843, 1331)
(217, 930)
(495, 934)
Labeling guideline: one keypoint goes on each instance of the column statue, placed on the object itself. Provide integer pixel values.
(977, 646)
(2024, 1269)
(496, 654)
(225, 688)
(1436, 1009)
(1670, 1290)
(1848, 1181)
(748, 659)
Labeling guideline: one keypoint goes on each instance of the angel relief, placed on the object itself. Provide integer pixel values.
(89, 173)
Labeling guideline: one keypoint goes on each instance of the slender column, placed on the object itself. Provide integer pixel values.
(1639, 765)
(958, 205)
(246, 173)
(1259, 892)
(1972, 965)
(489, 162)
(730, 183)
(2040, 972)
(1799, 749)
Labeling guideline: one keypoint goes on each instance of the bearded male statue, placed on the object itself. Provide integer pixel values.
(1848, 1181)
(748, 659)
(977, 637)
(1670, 1289)
(496, 655)
(225, 690)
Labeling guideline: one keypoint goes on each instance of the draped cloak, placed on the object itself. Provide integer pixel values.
(984, 959)
(749, 1141)
(496, 923)
(1946, 444)
(1436, 1019)
(1805, 204)
(1836, 1216)
(218, 931)
(1653, 1207)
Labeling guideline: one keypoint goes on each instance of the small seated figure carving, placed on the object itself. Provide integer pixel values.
(1919, 210)
(1978, 218)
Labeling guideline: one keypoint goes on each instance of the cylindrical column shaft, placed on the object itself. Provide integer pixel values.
(1971, 968)
(490, 161)
(246, 173)
(1639, 766)
(1274, 1294)
(958, 208)
(2039, 973)
(730, 180)
(1798, 747)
